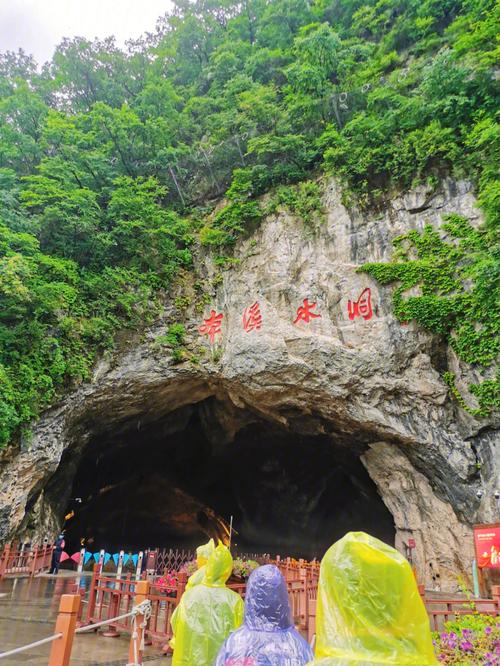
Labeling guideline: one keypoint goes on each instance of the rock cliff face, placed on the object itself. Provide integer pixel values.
(366, 383)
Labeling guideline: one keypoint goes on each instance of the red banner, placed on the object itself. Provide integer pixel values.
(487, 545)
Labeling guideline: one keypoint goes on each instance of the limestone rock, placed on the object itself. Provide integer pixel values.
(372, 384)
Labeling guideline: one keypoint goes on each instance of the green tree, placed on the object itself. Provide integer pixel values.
(108, 157)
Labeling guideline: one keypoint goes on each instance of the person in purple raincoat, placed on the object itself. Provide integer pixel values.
(268, 636)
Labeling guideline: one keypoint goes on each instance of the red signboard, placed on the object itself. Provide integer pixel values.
(411, 543)
(487, 545)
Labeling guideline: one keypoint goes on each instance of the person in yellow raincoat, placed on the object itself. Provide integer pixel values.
(202, 554)
(369, 611)
(206, 614)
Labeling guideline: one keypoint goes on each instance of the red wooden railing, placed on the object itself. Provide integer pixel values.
(110, 597)
(18, 560)
(442, 610)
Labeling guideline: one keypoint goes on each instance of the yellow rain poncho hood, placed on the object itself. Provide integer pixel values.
(206, 614)
(202, 554)
(369, 611)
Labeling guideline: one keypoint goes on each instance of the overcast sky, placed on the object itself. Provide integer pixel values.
(37, 26)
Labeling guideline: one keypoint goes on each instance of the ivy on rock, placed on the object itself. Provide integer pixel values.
(448, 281)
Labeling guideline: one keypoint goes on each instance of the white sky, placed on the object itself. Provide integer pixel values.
(37, 26)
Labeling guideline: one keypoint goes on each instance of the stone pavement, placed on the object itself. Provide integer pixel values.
(28, 610)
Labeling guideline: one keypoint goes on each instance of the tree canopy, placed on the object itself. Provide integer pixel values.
(108, 155)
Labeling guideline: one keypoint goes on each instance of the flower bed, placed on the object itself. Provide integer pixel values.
(242, 568)
(470, 640)
(167, 580)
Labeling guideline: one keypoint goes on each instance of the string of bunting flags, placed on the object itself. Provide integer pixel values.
(84, 557)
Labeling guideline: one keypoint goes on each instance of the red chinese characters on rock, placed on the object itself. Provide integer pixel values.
(212, 326)
(362, 307)
(305, 312)
(252, 318)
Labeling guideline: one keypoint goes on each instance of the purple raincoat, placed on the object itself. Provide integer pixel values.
(268, 636)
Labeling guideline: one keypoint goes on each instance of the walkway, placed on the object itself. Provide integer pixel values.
(28, 609)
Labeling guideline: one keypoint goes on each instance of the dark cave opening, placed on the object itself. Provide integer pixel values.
(175, 481)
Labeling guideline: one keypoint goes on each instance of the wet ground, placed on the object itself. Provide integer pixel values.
(28, 610)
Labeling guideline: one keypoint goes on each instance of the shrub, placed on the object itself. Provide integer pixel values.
(469, 640)
(243, 568)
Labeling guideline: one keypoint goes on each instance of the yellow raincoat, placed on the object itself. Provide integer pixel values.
(202, 554)
(369, 611)
(206, 614)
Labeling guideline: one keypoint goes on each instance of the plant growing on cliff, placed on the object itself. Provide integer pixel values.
(109, 156)
(174, 338)
(303, 200)
(448, 281)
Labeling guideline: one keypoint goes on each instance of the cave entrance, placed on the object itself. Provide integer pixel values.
(174, 481)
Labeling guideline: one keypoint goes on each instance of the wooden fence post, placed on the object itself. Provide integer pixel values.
(60, 653)
(79, 619)
(135, 646)
(495, 593)
(304, 597)
(92, 593)
(113, 611)
(4, 559)
(182, 579)
(34, 555)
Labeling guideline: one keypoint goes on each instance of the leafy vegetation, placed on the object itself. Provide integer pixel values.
(174, 338)
(458, 281)
(469, 640)
(303, 200)
(108, 155)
